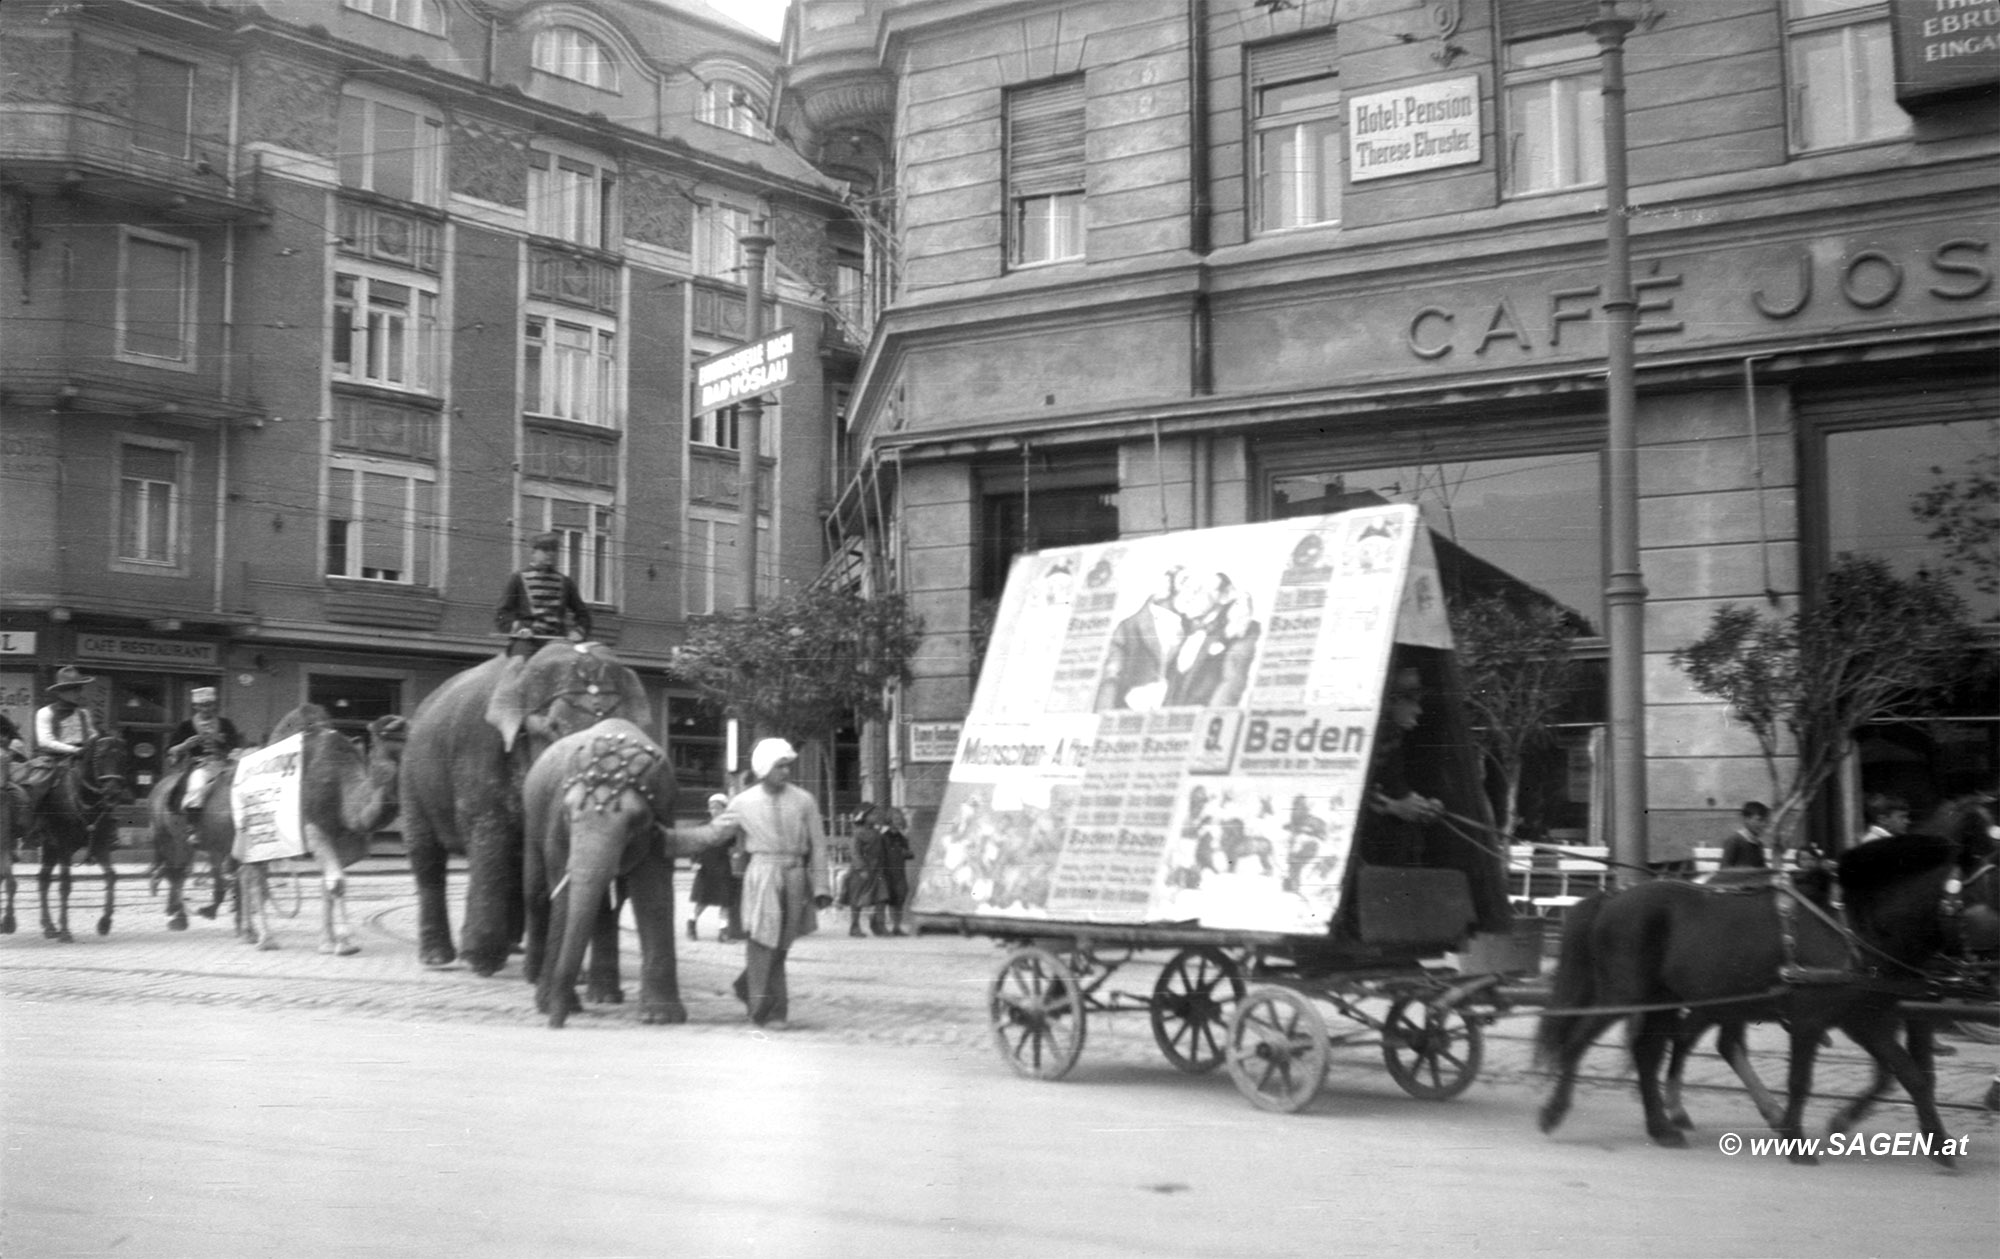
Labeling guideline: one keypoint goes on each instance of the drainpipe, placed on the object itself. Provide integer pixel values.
(1201, 351)
(227, 373)
(1757, 472)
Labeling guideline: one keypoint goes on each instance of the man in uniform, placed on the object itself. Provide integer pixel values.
(541, 603)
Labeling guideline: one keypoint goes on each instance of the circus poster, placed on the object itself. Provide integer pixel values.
(1177, 728)
(264, 800)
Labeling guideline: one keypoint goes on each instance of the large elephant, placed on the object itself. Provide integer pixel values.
(597, 805)
(471, 743)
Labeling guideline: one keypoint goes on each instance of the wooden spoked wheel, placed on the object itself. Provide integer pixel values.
(1433, 1052)
(1036, 1011)
(1277, 1049)
(1190, 1008)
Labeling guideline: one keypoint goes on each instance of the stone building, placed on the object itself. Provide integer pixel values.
(315, 312)
(1152, 265)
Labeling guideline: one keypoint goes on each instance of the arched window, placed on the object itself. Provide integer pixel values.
(422, 15)
(732, 106)
(574, 54)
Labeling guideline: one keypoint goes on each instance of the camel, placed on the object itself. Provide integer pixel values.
(347, 797)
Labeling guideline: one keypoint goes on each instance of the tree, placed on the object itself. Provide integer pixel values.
(805, 665)
(1872, 647)
(1518, 670)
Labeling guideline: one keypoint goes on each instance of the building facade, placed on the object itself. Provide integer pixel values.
(316, 312)
(1157, 266)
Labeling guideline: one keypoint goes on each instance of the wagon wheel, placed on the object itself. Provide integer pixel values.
(1433, 1051)
(1277, 1050)
(1189, 1008)
(1036, 1011)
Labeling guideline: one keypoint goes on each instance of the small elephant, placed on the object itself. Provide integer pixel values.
(471, 743)
(596, 804)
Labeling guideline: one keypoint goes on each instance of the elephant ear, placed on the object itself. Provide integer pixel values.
(524, 687)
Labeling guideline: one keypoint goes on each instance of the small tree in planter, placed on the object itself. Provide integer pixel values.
(1514, 655)
(803, 666)
(1872, 647)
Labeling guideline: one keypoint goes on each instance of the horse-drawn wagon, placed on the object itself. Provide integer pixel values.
(1239, 750)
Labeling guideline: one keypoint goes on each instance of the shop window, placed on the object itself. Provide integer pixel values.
(353, 702)
(1555, 114)
(1011, 525)
(698, 744)
(1045, 172)
(149, 504)
(162, 104)
(572, 54)
(381, 521)
(1877, 480)
(156, 300)
(1295, 100)
(1843, 74)
(391, 149)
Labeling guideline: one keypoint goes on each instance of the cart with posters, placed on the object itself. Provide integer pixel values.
(1177, 757)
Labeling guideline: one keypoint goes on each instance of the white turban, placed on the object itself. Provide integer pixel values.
(202, 695)
(769, 753)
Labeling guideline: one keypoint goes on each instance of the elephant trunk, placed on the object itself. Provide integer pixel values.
(600, 839)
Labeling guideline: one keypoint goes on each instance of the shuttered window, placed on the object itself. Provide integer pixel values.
(1045, 171)
(1528, 19)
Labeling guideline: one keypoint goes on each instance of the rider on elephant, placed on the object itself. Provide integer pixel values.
(203, 742)
(63, 729)
(541, 603)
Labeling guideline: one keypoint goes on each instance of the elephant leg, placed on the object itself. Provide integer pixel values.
(602, 982)
(651, 886)
(427, 871)
(494, 917)
(535, 892)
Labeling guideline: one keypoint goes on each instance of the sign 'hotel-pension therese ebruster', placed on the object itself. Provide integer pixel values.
(1419, 127)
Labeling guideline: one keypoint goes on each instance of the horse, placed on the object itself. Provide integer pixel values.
(1698, 956)
(178, 842)
(72, 812)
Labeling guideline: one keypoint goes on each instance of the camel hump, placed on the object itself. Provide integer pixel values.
(304, 718)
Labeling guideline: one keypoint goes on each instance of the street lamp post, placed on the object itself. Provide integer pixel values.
(1624, 587)
(750, 423)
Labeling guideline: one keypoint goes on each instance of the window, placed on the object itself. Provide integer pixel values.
(1045, 172)
(384, 332)
(1876, 478)
(572, 54)
(149, 496)
(1555, 114)
(1051, 516)
(422, 15)
(1842, 74)
(722, 429)
(392, 150)
(719, 229)
(569, 370)
(731, 106)
(156, 300)
(381, 521)
(709, 569)
(570, 198)
(584, 529)
(162, 95)
(1295, 99)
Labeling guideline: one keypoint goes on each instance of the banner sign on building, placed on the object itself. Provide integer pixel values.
(264, 800)
(1945, 47)
(17, 642)
(729, 378)
(934, 742)
(1420, 127)
(167, 653)
(1178, 728)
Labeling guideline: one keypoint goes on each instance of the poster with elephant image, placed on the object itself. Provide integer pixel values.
(1177, 728)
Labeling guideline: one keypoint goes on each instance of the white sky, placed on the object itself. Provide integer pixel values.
(766, 17)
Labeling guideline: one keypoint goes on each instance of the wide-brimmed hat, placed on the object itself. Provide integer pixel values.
(70, 678)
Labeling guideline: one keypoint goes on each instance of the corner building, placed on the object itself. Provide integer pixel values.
(315, 312)
(1163, 266)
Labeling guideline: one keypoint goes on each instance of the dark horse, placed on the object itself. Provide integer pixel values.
(72, 812)
(178, 842)
(1725, 956)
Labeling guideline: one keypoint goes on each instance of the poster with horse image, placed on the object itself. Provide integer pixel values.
(264, 801)
(1178, 728)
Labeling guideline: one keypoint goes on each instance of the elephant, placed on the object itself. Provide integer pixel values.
(471, 743)
(597, 805)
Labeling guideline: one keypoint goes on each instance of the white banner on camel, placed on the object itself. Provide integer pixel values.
(264, 800)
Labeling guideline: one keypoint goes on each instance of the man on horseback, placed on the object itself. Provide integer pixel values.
(203, 743)
(63, 729)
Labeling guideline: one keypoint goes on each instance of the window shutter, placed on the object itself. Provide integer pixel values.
(1045, 138)
(1312, 57)
(1525, 19)
(150, 463)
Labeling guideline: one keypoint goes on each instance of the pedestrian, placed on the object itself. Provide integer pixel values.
(715, 883)
(203, 743)
(778, 825)
(541, 603)
(1887, 816)
(896, 867)
(864, 886)
(1744, 849)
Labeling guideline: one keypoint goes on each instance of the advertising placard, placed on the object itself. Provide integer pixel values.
(1178, 728)
(1420, 127)
(264, 800)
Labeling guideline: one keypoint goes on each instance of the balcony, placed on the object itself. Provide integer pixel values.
(53, 149)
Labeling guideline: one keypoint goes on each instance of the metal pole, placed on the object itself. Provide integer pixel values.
(1624, 587)
(750, 423)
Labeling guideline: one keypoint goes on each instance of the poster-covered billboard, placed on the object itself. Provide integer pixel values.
(1178, 728)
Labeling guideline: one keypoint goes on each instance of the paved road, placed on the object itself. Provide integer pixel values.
(181, 1094)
